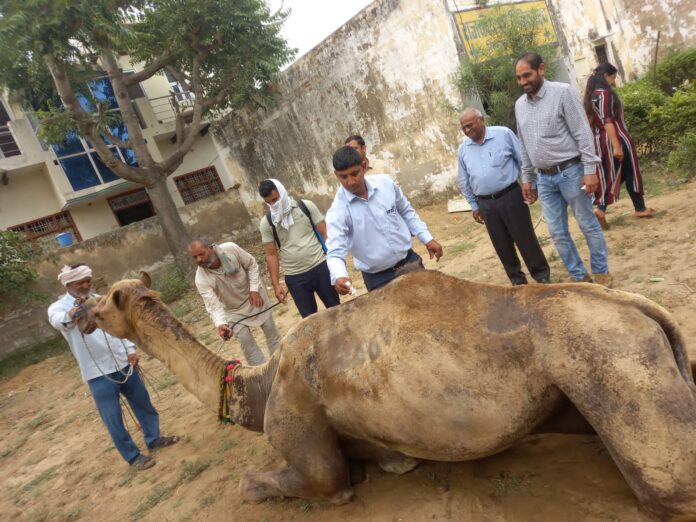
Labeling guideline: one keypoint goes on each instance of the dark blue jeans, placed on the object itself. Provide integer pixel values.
(106, 394)
(303, 286)
(379, 279)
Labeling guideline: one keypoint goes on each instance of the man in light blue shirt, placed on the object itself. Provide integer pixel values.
(108, 366)
(371, 218)
(488, 164)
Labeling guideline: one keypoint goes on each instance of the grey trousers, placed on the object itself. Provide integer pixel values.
(252, 353)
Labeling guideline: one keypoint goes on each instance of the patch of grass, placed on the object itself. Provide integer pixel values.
(166, 382)
(227, 445)
(508, 483)
(191, 469)
(17, 361)
(459, 248)
(160, 493)
(206, 501)
(181, 308)
(305, 506)
(41, 419)
(617, 221)
(171, 284)
(40, 479)
(126, 480)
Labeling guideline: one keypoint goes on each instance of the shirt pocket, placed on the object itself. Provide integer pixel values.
(499, 158)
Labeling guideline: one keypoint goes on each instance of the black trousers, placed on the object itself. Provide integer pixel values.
(379, 279)
(303, 286)
(509, 223)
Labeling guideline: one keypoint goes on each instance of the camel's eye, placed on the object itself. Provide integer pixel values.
(97, 315)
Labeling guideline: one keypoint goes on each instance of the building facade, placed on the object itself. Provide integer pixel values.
(51, 189)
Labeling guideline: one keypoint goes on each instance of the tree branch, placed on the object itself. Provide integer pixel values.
(130, 118)
(180, 77)
(86, 124)
(114, 140)
(148, 71)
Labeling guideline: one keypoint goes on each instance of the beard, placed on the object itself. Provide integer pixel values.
(212, 260)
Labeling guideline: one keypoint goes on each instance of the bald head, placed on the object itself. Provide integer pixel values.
(472, 122)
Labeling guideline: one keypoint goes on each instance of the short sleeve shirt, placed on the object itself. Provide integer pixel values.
(300, 249)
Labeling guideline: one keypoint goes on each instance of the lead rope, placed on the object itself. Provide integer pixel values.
(127, 375)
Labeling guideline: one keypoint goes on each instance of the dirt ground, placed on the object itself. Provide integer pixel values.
(59, 464)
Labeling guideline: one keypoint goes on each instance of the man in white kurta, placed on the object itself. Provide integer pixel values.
(228, 281)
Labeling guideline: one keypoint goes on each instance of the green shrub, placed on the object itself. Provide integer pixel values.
(16, 276)
(683, 158)
(675, 69)
(677, 116)
(171, 284)
(641, 101)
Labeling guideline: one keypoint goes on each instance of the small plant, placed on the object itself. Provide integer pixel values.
(207, 501)
(508, 483)
(305, 506)
(160, 493)
(683, 158)
(18, 278)
(40, 479)
(166, 382)
(171, 284)
(191, 469)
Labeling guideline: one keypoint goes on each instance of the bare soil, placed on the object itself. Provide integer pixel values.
(59, 464)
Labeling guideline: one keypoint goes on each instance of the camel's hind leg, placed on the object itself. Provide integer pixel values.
(635, 398)
(316, 468)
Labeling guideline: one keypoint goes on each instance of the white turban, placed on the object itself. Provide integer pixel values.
(281, 210)
(70, 275)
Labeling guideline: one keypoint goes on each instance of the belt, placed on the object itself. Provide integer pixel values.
(560, 167)
(496, 195)
(403, 261)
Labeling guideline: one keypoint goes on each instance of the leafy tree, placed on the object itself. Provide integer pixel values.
(225, 52)
(490, 75)
(675, 69)
(16, 276)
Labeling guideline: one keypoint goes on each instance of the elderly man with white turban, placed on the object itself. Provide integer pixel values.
(293, 234)
(108, 366)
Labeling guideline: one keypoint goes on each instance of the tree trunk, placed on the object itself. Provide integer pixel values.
(175, 232)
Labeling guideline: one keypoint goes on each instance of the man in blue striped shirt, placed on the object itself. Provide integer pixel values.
(371, 218)
(489, 163)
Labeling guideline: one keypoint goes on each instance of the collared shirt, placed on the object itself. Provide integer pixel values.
(488, 167)
(300, 249)
(97, 353)
(376, 230)
(225, 290)
(553, 128)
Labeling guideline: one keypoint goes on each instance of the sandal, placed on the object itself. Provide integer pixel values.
(647, 213)
(142, 462)
(164, 441)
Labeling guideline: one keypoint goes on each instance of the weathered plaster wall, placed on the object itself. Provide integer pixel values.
(386, 75)
(628, 29)
(123, 253)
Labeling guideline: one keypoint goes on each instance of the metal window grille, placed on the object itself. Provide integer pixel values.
(8, 145)
(198, 184)
(48, 225)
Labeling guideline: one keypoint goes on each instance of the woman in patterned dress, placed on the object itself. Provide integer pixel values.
(614, 145)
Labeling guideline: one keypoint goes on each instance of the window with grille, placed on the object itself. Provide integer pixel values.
(49, 225)
(198, 184)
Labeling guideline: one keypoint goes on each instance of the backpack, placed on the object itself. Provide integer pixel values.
(305, 211)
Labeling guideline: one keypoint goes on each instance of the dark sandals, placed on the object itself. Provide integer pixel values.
(163, 442)
(142, 462)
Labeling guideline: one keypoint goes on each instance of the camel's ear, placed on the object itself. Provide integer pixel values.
(145, 279)
(118, 298)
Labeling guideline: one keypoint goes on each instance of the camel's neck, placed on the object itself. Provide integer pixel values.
(194, 366)
(251, 388)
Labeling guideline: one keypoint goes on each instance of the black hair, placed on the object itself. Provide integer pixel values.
(533, 59)
(266, 187)
(355, 137)
(345, 158)
(597, 81)
(75, 265)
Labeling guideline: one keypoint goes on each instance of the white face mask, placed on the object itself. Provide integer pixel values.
(276, 207)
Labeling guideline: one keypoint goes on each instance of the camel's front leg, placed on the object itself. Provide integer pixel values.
(297, 427)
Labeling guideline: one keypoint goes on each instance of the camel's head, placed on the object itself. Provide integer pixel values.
(114, 313)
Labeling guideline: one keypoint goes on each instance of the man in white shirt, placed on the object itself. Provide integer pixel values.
(371, 218)
(108, 366)
(228, 280)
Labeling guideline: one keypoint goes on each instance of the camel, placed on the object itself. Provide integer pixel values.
(434, 367)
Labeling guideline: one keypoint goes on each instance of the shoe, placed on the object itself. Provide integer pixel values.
(142, 462)
(164, 441)
(585, 279)
(602, 218)
(546, 281)
(603, 279)
(647, 213)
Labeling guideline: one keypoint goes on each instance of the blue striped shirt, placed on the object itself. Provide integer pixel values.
(376, 230)
(488, 167)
